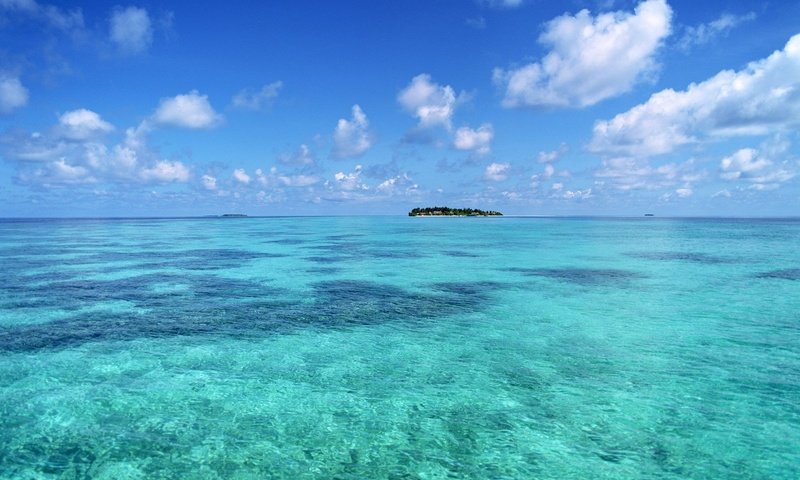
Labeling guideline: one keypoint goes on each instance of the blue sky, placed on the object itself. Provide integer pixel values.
(316, 108)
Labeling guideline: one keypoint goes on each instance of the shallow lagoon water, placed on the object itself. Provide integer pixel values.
(394, 347)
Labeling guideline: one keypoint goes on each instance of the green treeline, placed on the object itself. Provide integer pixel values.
(447, 211)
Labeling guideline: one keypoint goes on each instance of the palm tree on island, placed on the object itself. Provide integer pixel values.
(452, 212)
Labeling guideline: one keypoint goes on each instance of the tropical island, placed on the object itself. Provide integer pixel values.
(452, 212)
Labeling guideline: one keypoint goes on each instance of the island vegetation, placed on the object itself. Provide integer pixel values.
(452, 212)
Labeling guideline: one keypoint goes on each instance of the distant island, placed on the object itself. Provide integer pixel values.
(452, 212)
(233, 215)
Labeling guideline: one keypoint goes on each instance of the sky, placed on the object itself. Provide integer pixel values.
(530, 107)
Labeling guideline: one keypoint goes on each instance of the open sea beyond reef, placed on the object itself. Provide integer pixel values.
(396, 347)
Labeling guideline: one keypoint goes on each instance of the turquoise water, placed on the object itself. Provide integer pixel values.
(395, 347)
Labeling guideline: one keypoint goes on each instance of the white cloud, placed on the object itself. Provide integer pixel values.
(190, 110)
(705, 32)
(277, 179)
(722, 193)
(762, 98)
(577, 194)
(131, 29)
(58, 172)
(350, 181)
(71, 173)
(352, 137)
(166, 171)
(49, 14)
(263, 178)
(350, 187)
(241, 176)
(431, 103)
(299, 180)
(591, 58)
(502, 3)
(12, 94)
(303, 156)
(209, 182)
(759, 168)
(478, 141)
(628, 173)
(744, 162)
(496, 172)
(47, 159)
(257, 100)
(478, 23)
(398, 184)
(553, 155)
(82, 124)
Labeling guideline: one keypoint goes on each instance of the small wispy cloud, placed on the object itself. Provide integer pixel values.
(706, 32)
(260, 99)
(13, 93)
(131, 29)
(52, 15)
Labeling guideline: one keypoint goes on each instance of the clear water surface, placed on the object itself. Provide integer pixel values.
(394, 347)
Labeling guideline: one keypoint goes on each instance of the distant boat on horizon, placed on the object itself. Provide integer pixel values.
(649, 215)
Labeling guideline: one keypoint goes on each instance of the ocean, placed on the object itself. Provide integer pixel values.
(396, 347)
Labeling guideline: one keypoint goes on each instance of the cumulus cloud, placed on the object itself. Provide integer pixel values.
(431, 103)
(131, 29)
(478, 140)
(165, 171)
(352, 138)
(706, 32)
(257, 99)
(759, 167)
(72, 152)
(241, 176)
(350, 181)
(396, 184)
(209, 182)
(351, 187)
(760, 99)
(12, 94)
(82, 124)
(190, 110)
(591, 58)
(496, 172)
